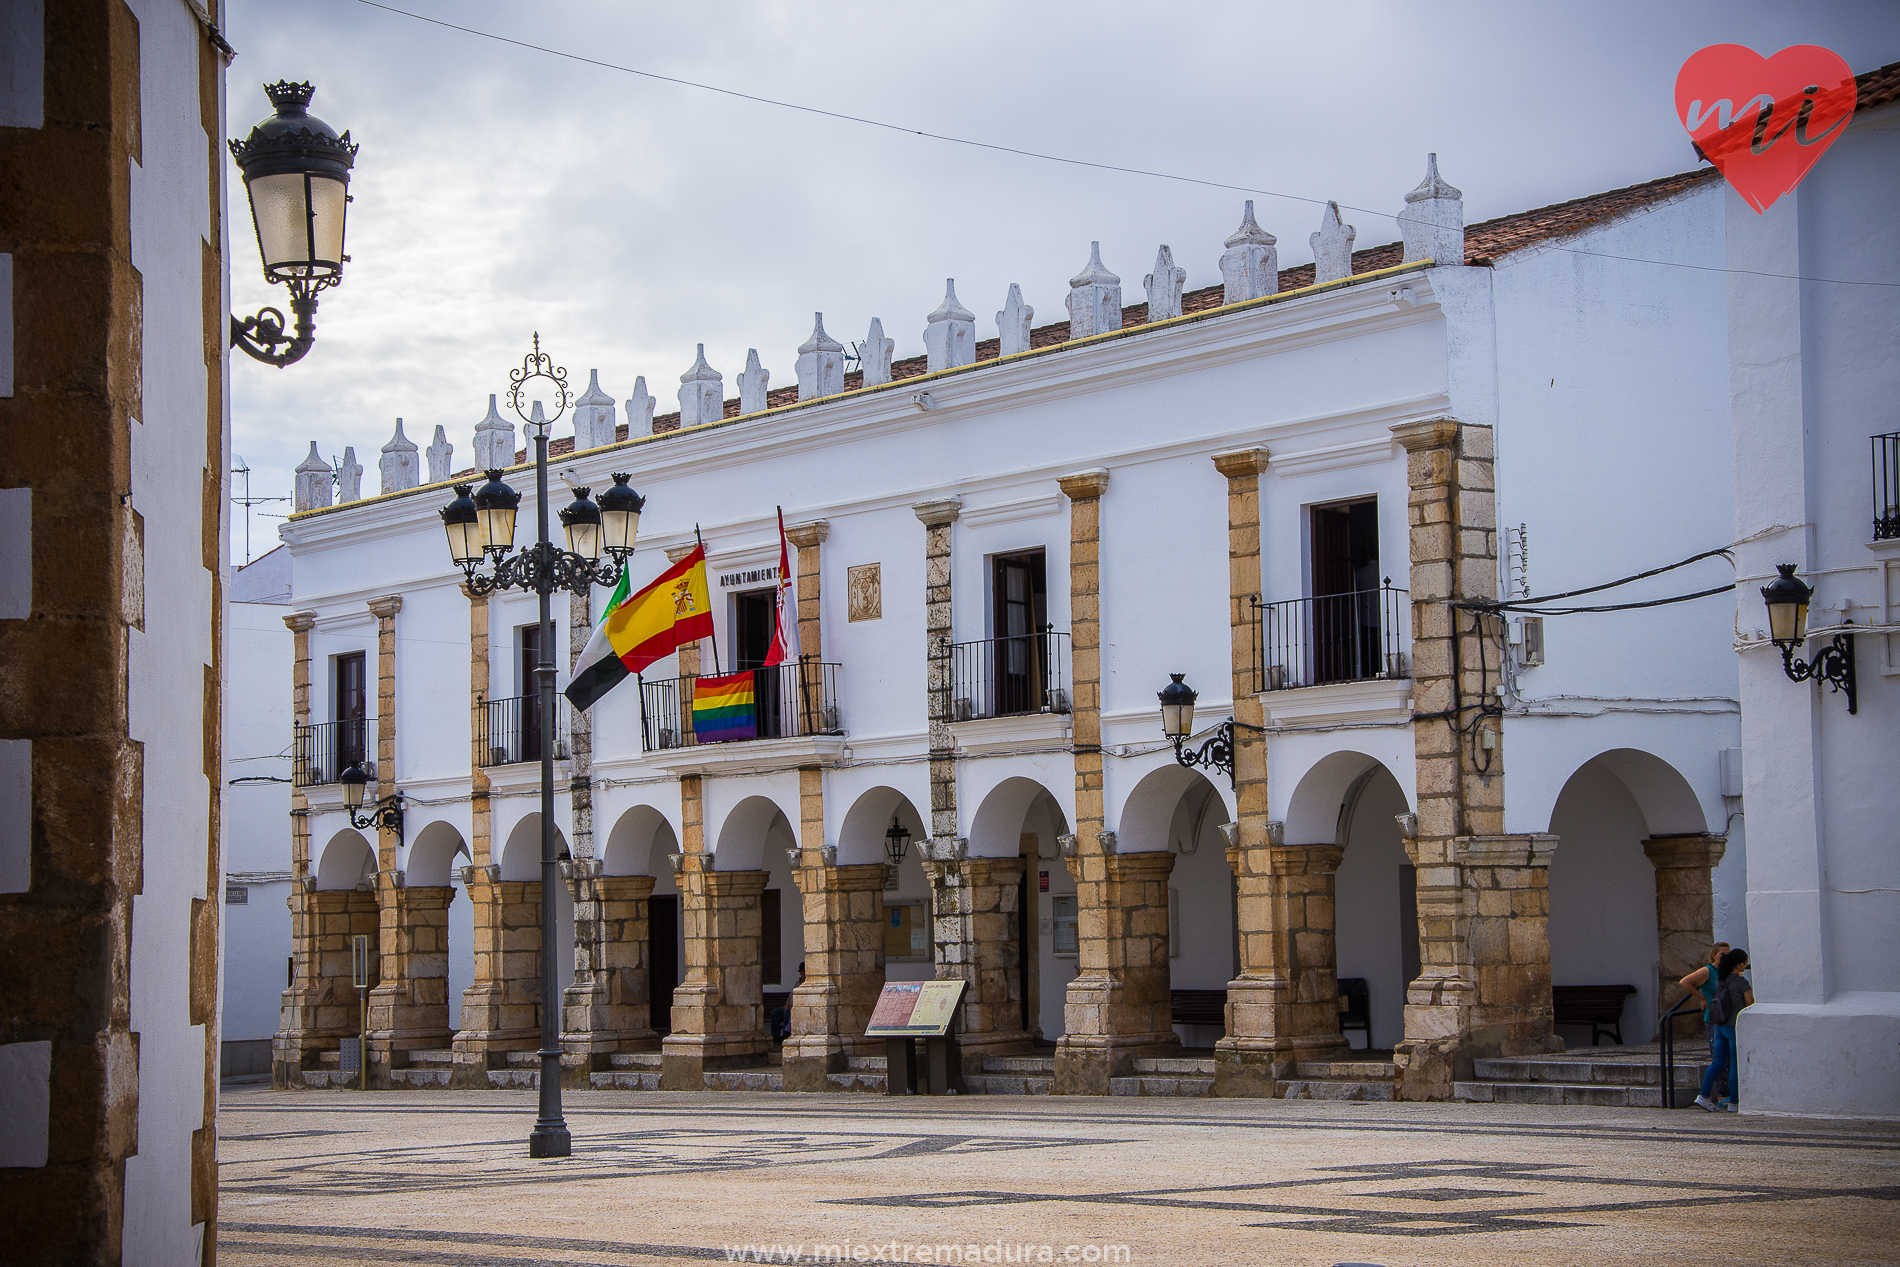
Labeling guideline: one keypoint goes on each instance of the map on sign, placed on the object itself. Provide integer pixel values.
(919, 1009)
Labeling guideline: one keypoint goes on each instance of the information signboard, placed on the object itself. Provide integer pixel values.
(915, 1009)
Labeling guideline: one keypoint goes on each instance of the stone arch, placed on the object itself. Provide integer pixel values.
(1669, 805)
(640, 837)
(521, 856)
(996, 830)
(346, 861)
(861, 838)
(432, 856)
(1375, 904)
(1152, 816)
(1317, 812)
(742, 836)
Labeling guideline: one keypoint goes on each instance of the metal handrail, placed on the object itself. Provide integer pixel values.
(789, 700)
(1667, 1048)
(1353, 637)
(508, 731)
(1887, 487)
(323, 750)
(1005, 677)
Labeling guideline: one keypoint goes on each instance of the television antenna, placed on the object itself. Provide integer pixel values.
(241, 467)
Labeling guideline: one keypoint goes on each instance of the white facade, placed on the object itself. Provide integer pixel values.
(1605, 382)
(1813, 376)
(257, 765)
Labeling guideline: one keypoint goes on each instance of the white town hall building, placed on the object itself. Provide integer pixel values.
(1304, 490)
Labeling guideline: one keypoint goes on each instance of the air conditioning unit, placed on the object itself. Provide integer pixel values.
(497, 756)
(831, 723)
(669, 738)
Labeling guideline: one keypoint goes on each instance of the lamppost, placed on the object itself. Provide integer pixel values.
(387, 813)
(1177, 723)
(297, 174)
(1787, 598)
(482, 525)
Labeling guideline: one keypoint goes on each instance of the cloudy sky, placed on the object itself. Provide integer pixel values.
(502, 190)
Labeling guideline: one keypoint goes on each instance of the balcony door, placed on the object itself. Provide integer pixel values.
(1019, 608)
(527, 720)
(1345, 572)
(350, 699)
(754, 620)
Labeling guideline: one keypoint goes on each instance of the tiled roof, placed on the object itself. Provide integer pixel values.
(1484, 243)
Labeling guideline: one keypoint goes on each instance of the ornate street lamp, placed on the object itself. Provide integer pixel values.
(1787, 598)
(387, 813)
(1177, 723)
(297, 174)
(897, 841)
(481, 525)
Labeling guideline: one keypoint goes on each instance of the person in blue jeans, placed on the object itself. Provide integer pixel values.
(1703, 982)
(1731, 996)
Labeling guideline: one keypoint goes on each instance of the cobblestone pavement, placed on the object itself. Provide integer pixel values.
(444, 1178)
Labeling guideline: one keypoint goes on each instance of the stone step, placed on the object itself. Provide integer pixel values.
(1005, 1083)
(1595, 1095)
(514, 1079)
(1035, 1066)
(856, 1080)
(328, 1079)
(523, 1059)
(440, 1058)
(744, 1080)
(1619, 1073)
(866, 1064)
(1349, 1070)
(1335, 1089)
(424, 1077)
(1193, 1066)
(1163, 1085)
(648, 1061)
(623, 1080)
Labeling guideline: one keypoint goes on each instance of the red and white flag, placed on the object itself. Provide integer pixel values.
(784, 649)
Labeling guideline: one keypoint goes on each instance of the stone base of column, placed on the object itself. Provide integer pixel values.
(685, 1061)
(1086, 1062)
(496, 1019)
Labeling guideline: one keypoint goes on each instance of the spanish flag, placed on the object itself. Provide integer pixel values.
(649, 626)
(723, 708)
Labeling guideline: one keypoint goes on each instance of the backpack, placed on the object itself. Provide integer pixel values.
(1730, 998)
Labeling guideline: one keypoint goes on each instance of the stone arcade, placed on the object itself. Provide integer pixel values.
(1288, 486)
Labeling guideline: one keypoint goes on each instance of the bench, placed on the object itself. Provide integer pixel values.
(1598, 1006)
(1198, 1007)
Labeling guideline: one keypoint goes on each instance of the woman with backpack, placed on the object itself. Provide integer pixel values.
(1731, 996)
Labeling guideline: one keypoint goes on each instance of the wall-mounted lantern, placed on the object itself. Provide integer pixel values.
(1787, 598)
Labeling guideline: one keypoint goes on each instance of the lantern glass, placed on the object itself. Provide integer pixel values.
(1787, 598)
(465, 542)
(1177, 708)
(620, 516)
(299, 218)
(897, 841)
(495, 505)
(354, 780)
(584, 539)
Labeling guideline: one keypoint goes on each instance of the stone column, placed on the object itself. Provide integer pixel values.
(409, 1008)
(973, 904)
(295, 1016)
(606, 1010)
(501, 1011)
(1253, 1052)
(1118, 1005)
(328, 1009)
(938, 518)
(1685, 910)
(844, 969)
(1484, 982)
(719, 1010)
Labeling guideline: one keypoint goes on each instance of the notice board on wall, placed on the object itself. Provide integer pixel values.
(915, 1009)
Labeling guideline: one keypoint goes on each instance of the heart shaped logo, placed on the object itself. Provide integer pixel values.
(1764, 121)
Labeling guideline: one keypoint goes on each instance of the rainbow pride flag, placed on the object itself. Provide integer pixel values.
(723, 708)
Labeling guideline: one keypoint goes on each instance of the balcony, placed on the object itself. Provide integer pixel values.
(1887, 487)
(789, 701)
(1357, 637)
(322, 751)
(1009, 677)
(508, 731)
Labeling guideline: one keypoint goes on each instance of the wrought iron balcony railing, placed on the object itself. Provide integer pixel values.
(324, 750)
(508, 731)
(1003, 677)
(1887, 487)
(787, 701)
(1331, 638)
